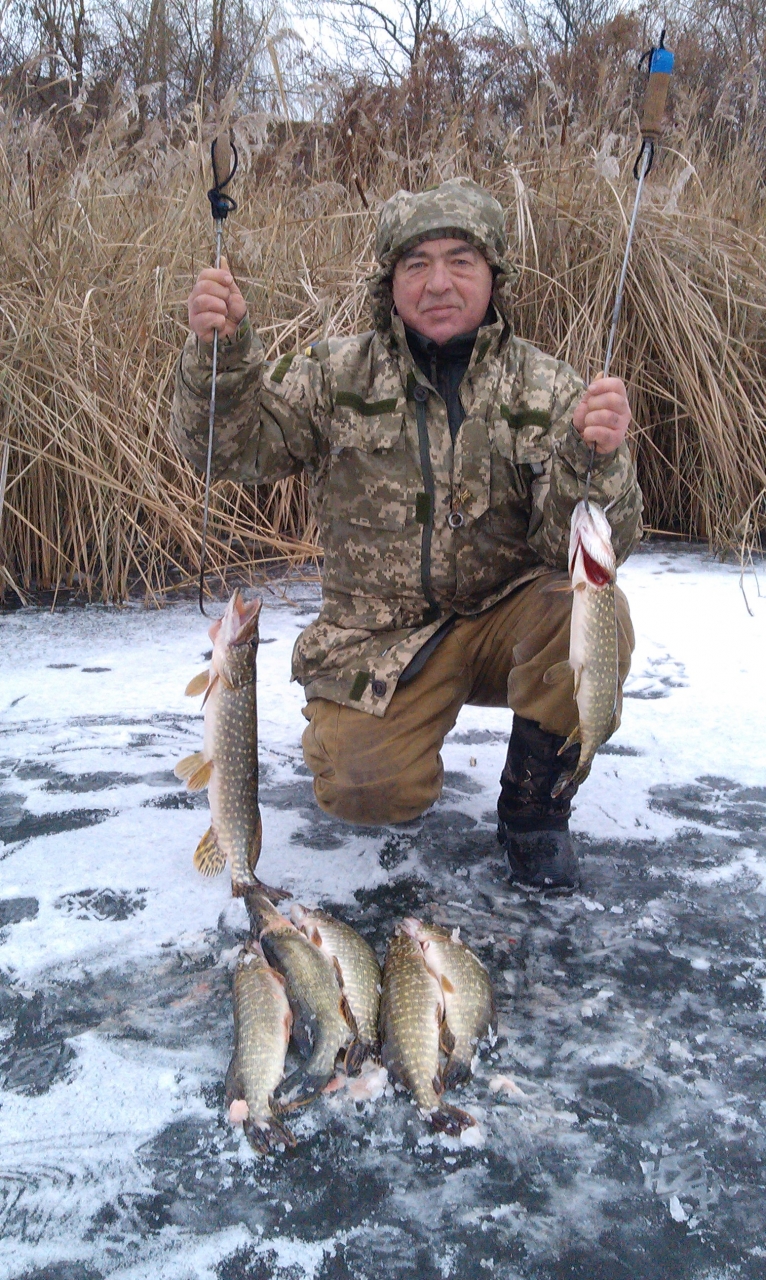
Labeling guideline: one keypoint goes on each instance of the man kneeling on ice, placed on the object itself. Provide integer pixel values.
(446, 457)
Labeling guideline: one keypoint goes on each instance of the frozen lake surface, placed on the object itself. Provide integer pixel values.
(622, 1113)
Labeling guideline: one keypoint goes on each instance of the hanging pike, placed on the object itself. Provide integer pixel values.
(228, 762)
(593, 654)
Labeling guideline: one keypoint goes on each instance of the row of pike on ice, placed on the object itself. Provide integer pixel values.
(315, 982)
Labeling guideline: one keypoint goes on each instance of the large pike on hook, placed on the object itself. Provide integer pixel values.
(593, 653)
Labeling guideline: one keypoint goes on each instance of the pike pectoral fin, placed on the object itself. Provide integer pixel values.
(558, 673)
(209, 860)
(197, 685)
(210, 689)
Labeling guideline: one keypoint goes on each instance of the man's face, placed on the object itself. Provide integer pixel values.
(442, 288)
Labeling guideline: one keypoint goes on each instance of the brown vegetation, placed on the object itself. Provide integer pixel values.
(104, 228)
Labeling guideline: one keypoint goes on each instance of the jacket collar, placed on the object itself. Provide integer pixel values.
(488, 342)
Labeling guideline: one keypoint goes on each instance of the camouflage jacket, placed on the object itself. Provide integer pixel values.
(413, 528)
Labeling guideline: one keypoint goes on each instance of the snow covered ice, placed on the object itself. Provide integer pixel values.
(621, 1113)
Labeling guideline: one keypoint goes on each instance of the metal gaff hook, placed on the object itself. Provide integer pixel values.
(660, 68)
(221, 205)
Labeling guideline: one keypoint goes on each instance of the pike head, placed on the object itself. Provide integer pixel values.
(591, 555)
(235, 638)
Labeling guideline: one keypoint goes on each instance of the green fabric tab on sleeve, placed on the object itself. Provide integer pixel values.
(525, 417)
(423, 508)
(361, 681)
(281, 367)
(350, 400)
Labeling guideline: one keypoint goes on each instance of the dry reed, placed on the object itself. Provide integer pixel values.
(97, 257)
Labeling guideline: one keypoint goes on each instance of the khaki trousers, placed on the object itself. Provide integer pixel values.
(372, 770)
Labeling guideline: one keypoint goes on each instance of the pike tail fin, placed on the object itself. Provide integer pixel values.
(450, 1120)
(272, 1133)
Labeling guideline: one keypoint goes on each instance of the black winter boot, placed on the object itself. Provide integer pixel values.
(532, 827)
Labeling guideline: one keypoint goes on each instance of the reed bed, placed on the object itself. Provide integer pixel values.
(99, 247)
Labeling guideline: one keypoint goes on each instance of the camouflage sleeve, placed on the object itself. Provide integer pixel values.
(614, 485)
(271, 416)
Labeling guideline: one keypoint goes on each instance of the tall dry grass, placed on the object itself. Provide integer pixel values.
(98, 249)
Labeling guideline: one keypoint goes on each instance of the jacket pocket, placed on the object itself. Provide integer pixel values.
(522, 436)
(365, 424)
(521, 446)
(369, 483)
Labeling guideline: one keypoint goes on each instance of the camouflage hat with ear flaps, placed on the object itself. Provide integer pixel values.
(457, 209)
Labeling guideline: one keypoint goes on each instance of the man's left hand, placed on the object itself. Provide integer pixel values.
(603, 415)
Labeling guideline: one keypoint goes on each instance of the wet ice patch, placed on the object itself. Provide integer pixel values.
(659, 675)
(101, 904)
(13, 910)
(685, 1180)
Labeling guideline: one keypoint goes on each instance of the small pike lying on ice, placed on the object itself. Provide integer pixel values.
(469, 1005)
(228, 762)
(358, 973)
(592, 637)
(321, 1028)
(411, 1025)
(262, 1024)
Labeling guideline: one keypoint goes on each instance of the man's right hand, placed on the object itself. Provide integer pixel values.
(215, 302)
